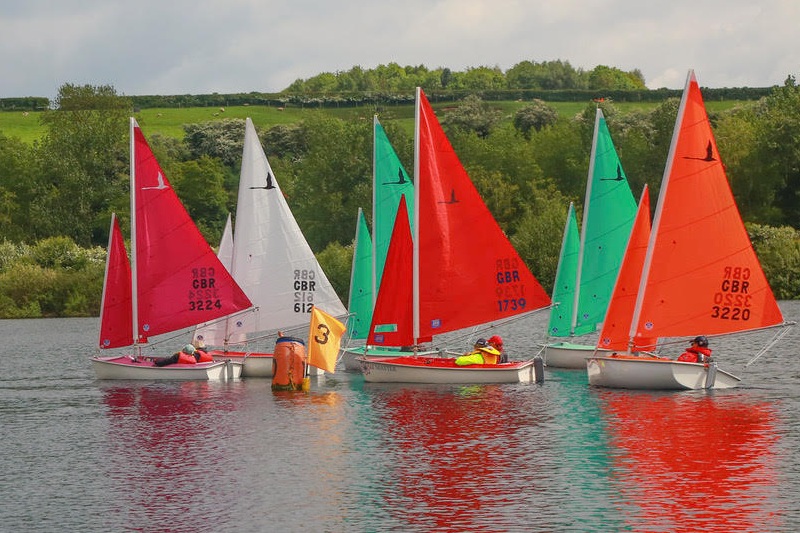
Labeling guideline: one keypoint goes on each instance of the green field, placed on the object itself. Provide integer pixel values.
(169, 121)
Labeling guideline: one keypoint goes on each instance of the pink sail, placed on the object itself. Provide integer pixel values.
(179, 281)
(116, 308)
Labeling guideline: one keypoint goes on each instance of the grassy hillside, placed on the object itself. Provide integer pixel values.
(169, 122)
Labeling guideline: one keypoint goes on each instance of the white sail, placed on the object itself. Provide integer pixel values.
(213, 333)
(272, 261)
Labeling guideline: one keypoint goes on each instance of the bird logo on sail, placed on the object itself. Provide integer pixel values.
(401, 178)
(161, 185)
(619, 177)
(269, 184)
(709, 154)
(453, 199)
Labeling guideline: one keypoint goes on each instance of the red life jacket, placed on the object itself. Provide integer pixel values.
(695, 354)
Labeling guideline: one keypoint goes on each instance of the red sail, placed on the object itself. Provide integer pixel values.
(617, 324)
(469, 273)
(116, 312)
(704, 276)
(180, 282)
(392, 318)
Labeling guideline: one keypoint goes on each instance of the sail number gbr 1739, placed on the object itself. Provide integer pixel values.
(732, 301)
(510, 289)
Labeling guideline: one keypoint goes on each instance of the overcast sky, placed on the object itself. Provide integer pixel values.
(227, 46)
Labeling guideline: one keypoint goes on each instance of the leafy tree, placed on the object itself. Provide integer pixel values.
(286, 141)
(83, 162)
(563, 154)
(483, 79)
(200, 184)
(223, 139)
(336, 261)
(534, 116)
(778, 148)
(16, 175)
(778, 250)
(548, 75)
(538, 240)
(332, 181)
(609, 78)
(472, 115)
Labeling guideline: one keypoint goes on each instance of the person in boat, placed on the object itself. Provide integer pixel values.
(201, 352)
(697, 352)
(188, 355)
(482, 354)
(496, 342)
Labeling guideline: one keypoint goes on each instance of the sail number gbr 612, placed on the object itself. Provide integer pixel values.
(732, 301)
(304, 286)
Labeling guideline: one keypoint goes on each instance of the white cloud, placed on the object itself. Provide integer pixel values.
(203, 46)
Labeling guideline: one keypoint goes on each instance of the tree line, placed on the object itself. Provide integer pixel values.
(57, 195)
(393, 84)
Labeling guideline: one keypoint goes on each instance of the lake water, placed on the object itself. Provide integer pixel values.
(105, 456)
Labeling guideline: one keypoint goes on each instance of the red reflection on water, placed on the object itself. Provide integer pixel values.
(159, 442)
(693, 462)
(451, 455)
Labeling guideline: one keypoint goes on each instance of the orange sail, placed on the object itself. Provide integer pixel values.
(617, 324)
(701, 274)
(466, 271)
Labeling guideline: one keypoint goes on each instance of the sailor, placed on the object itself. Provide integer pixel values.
(496, 341)
(482, 354)
(697, 352)
(186, 356)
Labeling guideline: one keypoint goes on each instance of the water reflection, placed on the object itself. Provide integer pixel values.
(163, 444)
(456, 456)
(693, 462)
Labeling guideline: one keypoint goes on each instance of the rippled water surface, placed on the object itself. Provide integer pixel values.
(86, 455)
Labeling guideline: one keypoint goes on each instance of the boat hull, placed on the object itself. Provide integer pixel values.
(420, 369)
(651, 373)
(569, 355)
(125, 367)
(352, 357)
(255, 364)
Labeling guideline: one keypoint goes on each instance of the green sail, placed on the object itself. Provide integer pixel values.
(566, 274)
(360, 299)
(608, 213)
(390, 182)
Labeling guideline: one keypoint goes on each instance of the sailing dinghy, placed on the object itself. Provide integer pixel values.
(698, 275)
(458, 271)
(390, 183)
(274, 265)
(173, 280)
(588, 266)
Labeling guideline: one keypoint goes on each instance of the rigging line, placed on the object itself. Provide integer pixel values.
(785, 328)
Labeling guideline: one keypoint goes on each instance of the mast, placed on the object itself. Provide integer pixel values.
(374, 288)
(415, 233)
(648, 259)
(134, 273)
(586, 205)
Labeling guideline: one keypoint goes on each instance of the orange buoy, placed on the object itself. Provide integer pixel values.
(288, 364)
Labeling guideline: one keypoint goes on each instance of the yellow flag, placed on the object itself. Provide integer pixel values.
(324, 338)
